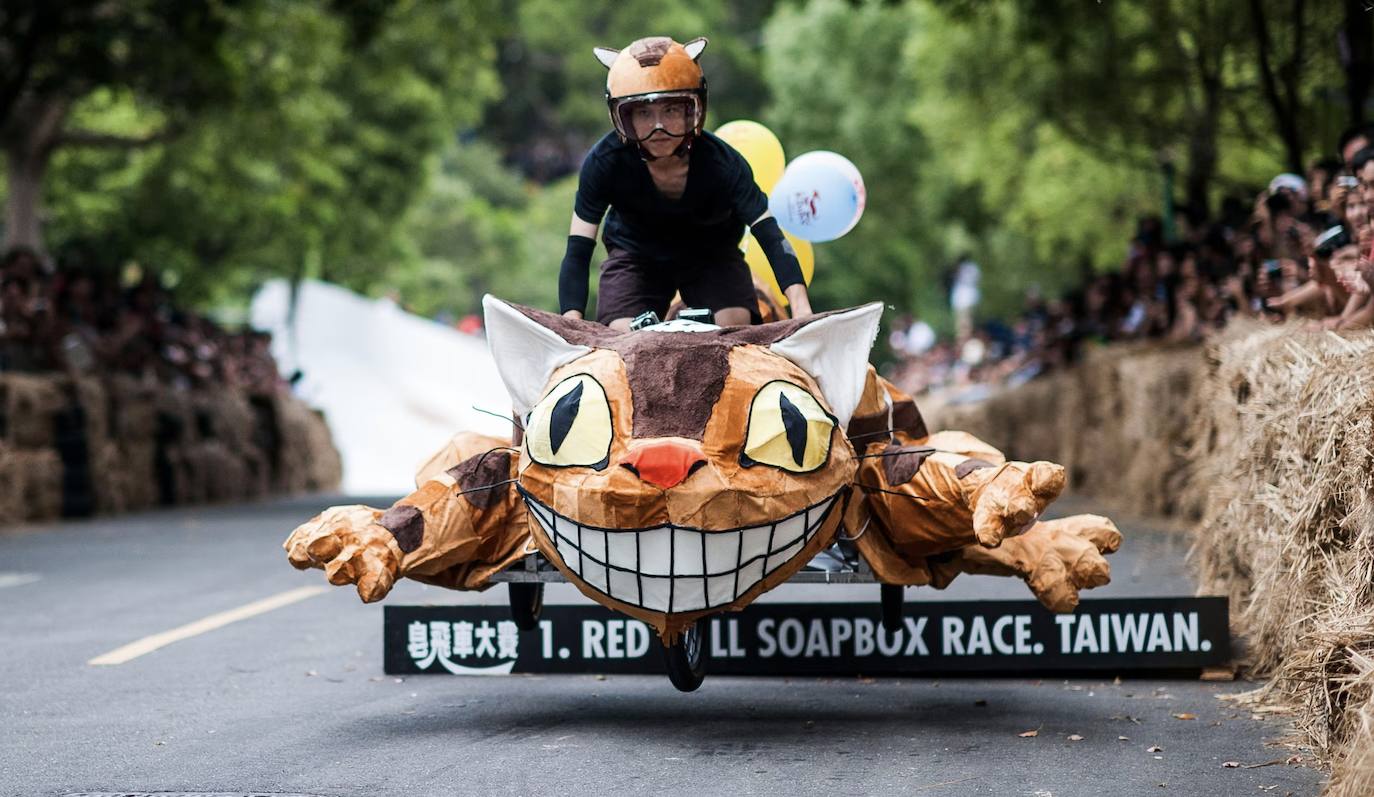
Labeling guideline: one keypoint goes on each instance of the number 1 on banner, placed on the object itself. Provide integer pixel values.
(546, 631)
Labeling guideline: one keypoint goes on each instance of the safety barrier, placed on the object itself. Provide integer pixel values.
(78, 446)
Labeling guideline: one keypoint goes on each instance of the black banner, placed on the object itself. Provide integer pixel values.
(1116, 634)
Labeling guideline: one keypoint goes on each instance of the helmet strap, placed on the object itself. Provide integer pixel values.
(682, 149)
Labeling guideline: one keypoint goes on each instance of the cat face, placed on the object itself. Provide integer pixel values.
(687, 468)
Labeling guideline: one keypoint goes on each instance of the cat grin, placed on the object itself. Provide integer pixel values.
(671, 568)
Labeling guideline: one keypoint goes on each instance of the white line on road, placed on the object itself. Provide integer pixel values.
(148, 644)
(17, 579)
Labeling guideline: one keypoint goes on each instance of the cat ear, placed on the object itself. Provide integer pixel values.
(605, 55)
(695, 46)
(526, 353)
(834, 350)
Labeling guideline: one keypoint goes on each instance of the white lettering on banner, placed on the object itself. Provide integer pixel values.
(863, 636)
(615, 630)
(507, 640)
(1139, 632)
(767, 645)
(636, 639)
(592, 635)
(438, 640)
(952, 636)
(1159, 635)
(462, 639)
(1023, 635)
(417, 634)
(1086, 641)
(790, 636)
(815, 639)
(917, 629)
(485, 634)
(998, 629)
(978, 637)
(1129, 631)
(1185, 631)
(841, 631)
(1065, 623)
(735, 650)
(729, 647)
(889, 642)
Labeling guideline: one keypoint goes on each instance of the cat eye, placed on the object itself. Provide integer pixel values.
(571, 425)
(788, 429)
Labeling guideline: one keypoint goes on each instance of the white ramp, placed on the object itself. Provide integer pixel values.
(393, 386)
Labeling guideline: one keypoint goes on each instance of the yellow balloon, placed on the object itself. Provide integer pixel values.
(760, 148)
(758, 262)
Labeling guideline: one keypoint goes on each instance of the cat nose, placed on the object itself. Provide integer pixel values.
(664, 463)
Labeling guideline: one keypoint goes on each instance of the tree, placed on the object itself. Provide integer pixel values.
(335, 125)
(52, 55)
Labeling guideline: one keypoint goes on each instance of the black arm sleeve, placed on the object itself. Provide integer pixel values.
(780, 254)
(572, 275)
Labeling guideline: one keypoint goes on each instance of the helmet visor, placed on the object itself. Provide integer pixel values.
(665, 115)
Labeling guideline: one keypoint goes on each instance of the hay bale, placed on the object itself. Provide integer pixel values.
(95, 405)
(126, 476)
(11, 487)
(308, 459)
(133, 409)
(29, 403)
(34, 484)
(1287, 451)
(1119, 422)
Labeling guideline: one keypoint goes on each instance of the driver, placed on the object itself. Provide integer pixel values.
(679, 199)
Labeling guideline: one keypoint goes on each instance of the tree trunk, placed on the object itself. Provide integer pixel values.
(1202, 150)
(28, 141)
(1283, 103)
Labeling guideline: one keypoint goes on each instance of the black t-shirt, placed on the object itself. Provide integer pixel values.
(720, 198)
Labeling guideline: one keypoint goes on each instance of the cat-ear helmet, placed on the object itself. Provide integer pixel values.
(655, 71)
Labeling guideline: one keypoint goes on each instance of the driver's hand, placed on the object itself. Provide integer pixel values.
(572, 314)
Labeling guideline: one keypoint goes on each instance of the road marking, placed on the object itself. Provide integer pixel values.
(17, 579)
(148, 644)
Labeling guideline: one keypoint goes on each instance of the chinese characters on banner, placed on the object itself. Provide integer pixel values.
(444, 641)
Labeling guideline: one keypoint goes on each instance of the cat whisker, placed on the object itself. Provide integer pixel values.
(502, 416)
(478, 467)
(487, 486)
(875, 488)
(899, 453)
(871, 434)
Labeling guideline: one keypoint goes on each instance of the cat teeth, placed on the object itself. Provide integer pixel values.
(671, 569)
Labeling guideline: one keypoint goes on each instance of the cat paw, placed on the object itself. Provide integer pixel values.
(1065, 556)
(1012, 499)
(1056, 559)
(347, 543)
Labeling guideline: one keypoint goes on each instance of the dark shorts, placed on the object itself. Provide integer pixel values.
(631, 285)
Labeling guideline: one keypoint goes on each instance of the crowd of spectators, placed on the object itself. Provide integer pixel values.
(84, 321)
(1304, 248)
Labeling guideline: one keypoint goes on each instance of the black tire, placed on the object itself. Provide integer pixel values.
(685, 659)
(526, 601)
(892, 607)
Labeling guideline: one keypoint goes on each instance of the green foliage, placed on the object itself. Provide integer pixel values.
(423, 148)
(328, 144)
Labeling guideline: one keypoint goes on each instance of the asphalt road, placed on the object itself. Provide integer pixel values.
(293, 700)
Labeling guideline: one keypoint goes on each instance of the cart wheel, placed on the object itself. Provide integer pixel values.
(892, 607)
(526, 601)
(685, 659)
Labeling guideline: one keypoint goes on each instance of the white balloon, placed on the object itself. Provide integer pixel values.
(820, 197)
